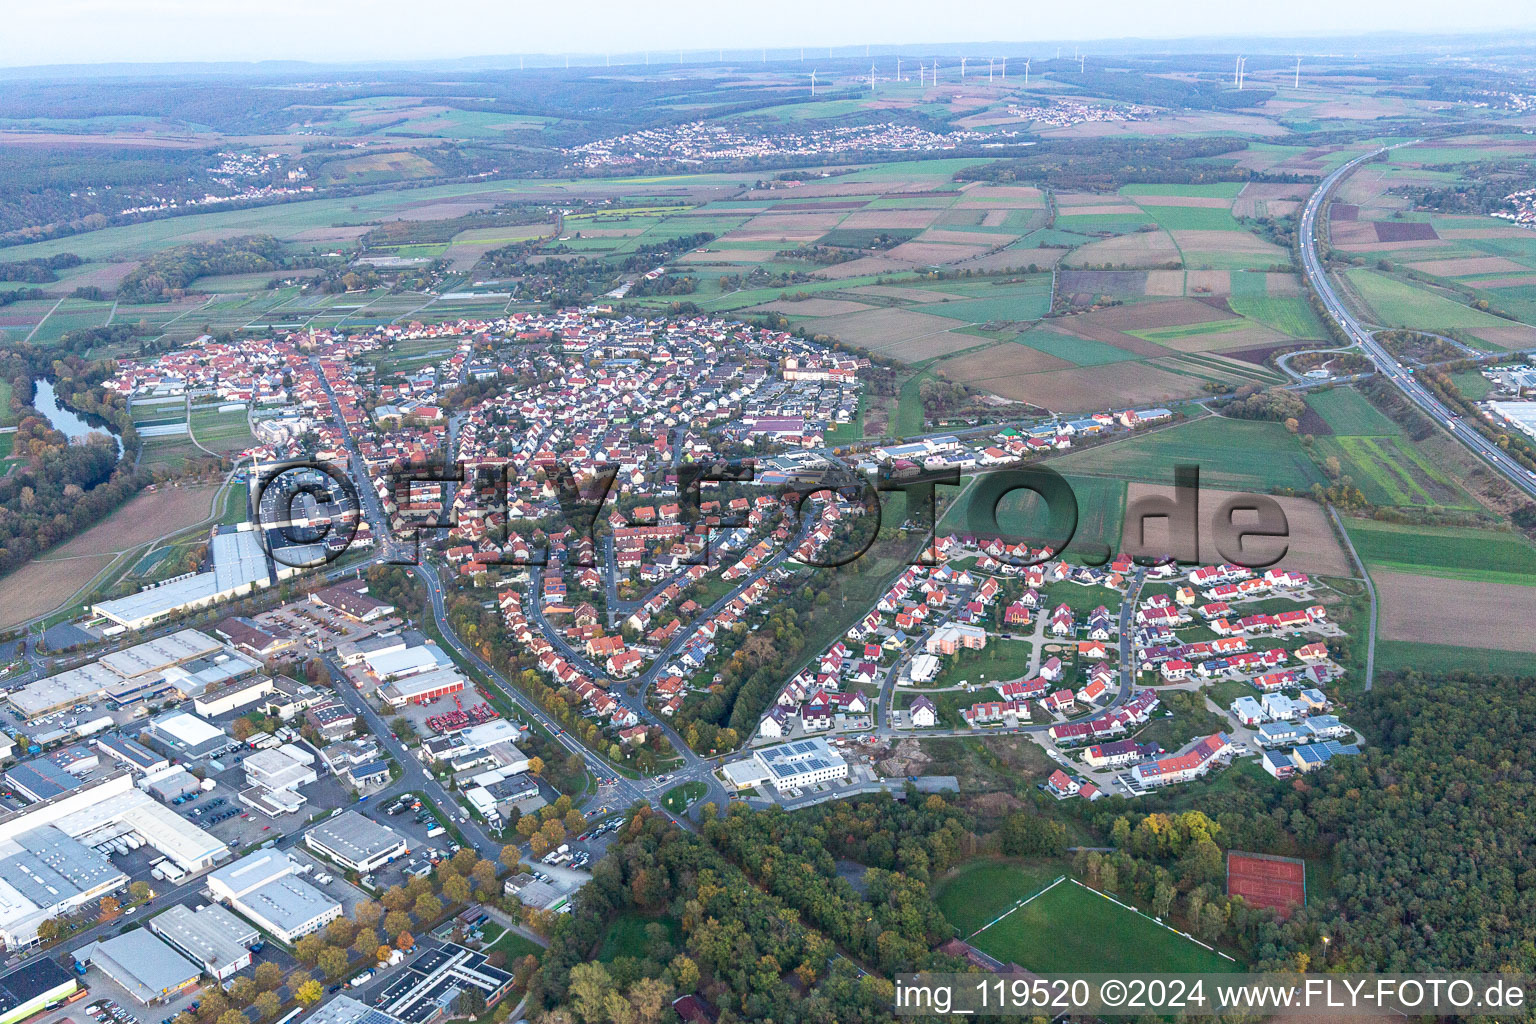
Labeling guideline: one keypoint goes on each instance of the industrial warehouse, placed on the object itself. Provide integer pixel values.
(355, 842)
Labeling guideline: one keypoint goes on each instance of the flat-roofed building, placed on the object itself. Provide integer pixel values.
(45, 873)
(249, 873)
(276, 770)
(239, 567)
(188, 736)
(802, 763)
(123, 675)
(210, 936)
(231, 696)
(356, 842)
(265, 889)
(31, 987)
(289, 908)
(109, 807)
(343, 1009)
(41, 779)
(406, 661)
(150, 970)
(424, 687)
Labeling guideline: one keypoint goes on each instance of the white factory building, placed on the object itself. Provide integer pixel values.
(266, 890)
(239, 567)
(355, 842)
(48, 858)
(802, 763)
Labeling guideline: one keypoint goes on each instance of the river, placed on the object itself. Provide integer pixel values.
(65, 420)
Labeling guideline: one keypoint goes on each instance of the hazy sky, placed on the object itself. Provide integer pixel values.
(89, 31)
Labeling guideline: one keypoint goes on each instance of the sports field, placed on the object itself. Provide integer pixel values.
(980, 890)
(1071, 927)
(1279, 883)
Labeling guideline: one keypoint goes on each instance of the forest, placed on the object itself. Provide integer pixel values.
(1429, 858)
(1103, 165)
(167, 274)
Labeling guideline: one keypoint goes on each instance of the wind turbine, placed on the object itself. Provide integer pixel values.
(989, 69)
(871, 78)
(898, 69)
(922, 75)
(1242, 72)
(1298, 73)
(1236, 66)
(1005, 68)
(1082, 63)
(813, 85)
(962, 68)
(1026, 71)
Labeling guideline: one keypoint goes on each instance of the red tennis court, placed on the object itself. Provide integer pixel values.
(1267, 881)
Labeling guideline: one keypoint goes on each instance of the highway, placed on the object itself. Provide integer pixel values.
(1400, 376)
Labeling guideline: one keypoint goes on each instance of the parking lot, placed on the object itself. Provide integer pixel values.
(320, 627)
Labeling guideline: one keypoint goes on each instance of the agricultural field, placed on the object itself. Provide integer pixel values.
(1311, 545)
(1100, 513)
(1232, 454)
(1347, 411)
(1070, 925)
(221, 428)
(1488, 556)
(1456, 612)
(1399, 304)
(1393, 471)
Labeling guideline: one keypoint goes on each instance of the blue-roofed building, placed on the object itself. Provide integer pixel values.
(1279, 734)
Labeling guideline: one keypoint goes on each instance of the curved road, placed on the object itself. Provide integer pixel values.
(1401, 377)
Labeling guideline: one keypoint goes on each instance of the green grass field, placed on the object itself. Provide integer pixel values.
(1346, 411)
(1472, 384)
(980, 890)
(1000, 659)
(1392, 471)
(678, 798)
(1453, 552)
(1398, 655)
(1398, 304)
(1289, 314)
(1073, 928)
(1021, 514)
(1080, 351)
(626, 935)
(1231, 454)
(515, 947)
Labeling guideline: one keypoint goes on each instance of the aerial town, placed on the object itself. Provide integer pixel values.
(613, 538)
